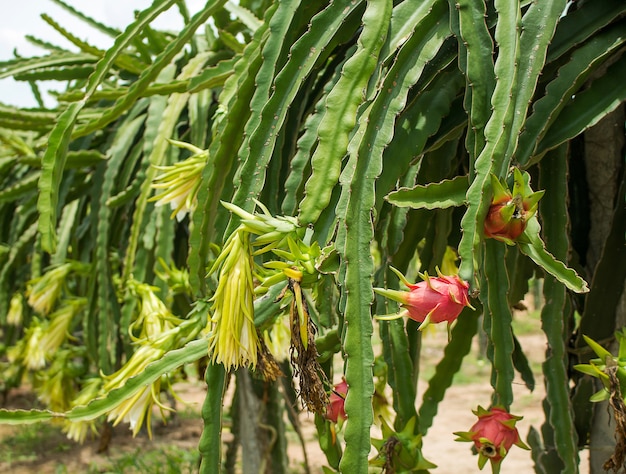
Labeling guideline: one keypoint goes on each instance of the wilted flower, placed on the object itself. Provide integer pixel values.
(233, 339)
(44, 291)
(433, 300)
(278, 339)
(154, 318)
(336, 405)
(77, 430)
(180, 181)
(510, 211)
(56, 385)
(14, 316)
(56, 331)
(493, 435)
(135, 409)
(34, 357)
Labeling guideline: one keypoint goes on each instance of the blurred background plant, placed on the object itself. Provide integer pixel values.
(344, 138)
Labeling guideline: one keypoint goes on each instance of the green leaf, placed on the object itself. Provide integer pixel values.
(441, 195)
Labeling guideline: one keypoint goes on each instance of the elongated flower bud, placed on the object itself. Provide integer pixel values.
(234, 340)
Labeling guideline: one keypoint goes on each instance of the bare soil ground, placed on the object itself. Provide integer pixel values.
(53, 453)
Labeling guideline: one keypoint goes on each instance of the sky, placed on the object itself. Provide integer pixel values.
(20, 18)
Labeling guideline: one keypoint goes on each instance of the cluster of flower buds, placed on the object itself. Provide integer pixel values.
(607, 366)
(179, 182)
(400, 451)
(233, 337)
(154, 332)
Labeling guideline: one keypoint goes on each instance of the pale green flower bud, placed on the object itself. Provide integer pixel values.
(233, 339)
(16, 307)
(57, 331)
(44, 291)
(179, 182)
(34, 355)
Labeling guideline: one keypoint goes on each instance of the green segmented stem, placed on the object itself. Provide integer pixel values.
(582, 23)
(278, 28)
(20, 188)
(210, 445)
(228, 131)
(65, 231)
(172, 360)
(492, 157)
(588, 107)
(107, 330)
(418, 121)
(53, 161)
(468, 23)
(131, 190)
(555, 368)
(441, 195)
(167, 122)
(211, 77)
(521, 364)
(533, 247)
(357, 265)
(400, 366)
(404, 18)
(500, 335)
(396, 353)
(107, 30)
(17, 248)
(285, 22)
(28, 118)
(339, 117)
(149, 74)
(559, 91)
(537, 29)
(43, 45)
(303, 56)
(57, 59)
(355, 231)
(163, 243)
(122, 61)
(200, 111)
(300, 160)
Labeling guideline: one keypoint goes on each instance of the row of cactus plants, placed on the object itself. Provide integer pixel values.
(256, 193)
